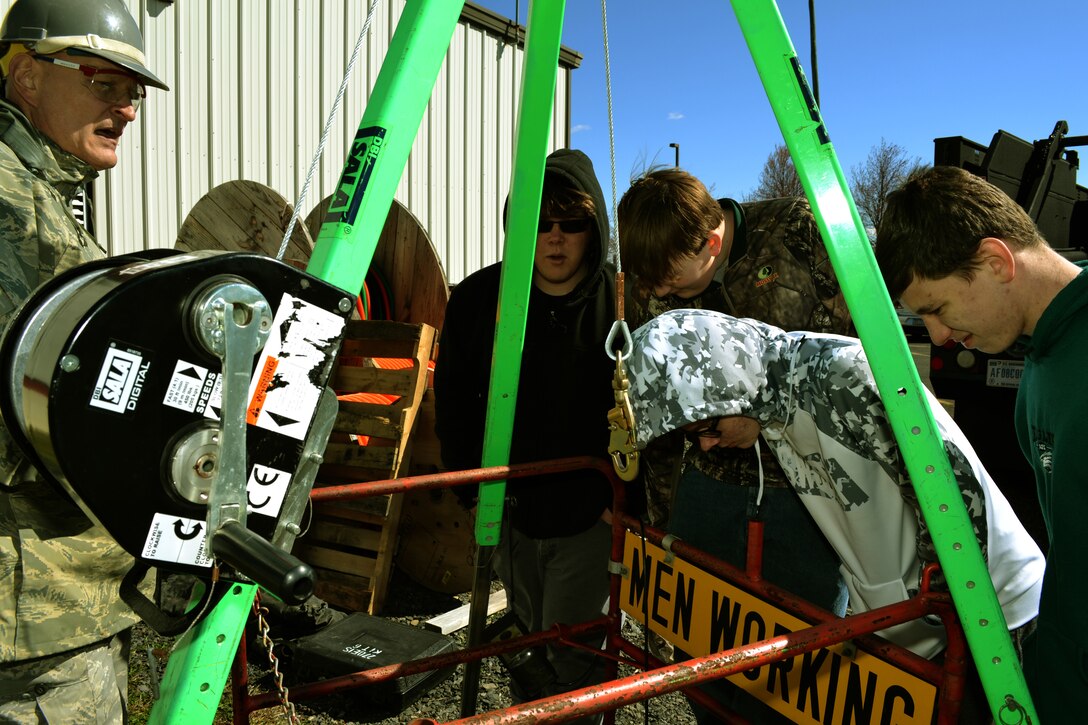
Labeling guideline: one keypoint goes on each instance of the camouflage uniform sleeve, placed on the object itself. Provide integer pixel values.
(806, 244)
(18, 240)
(662, 461)
(39, 237)
(18, 275)
(660, 466)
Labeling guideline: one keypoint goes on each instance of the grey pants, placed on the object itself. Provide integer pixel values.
(85, 687)
(562, 580)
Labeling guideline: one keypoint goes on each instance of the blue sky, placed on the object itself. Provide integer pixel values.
(907, 72)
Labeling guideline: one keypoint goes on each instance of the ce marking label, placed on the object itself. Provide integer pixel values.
(265, 489)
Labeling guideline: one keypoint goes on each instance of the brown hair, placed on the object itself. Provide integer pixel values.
(560, 200)
(934, 222)
(664, 217)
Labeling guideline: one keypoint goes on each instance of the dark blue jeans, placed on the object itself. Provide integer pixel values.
(559, 580)
(713, 516)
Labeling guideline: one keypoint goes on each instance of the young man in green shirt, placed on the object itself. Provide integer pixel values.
(961, 253)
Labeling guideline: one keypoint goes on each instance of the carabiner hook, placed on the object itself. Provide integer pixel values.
(621, 426)
(625, 465)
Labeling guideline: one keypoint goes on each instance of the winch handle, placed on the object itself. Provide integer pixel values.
(274, 569)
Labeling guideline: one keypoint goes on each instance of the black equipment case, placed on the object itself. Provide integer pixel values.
(362, 642)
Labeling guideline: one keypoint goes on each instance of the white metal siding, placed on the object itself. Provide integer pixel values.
(252, 84)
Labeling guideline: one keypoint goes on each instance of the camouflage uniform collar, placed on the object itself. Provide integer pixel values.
(740, 231)
(62, 170)
(738, 248)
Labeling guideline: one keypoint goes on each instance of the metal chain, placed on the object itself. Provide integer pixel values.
(277, 676)
(325, 132)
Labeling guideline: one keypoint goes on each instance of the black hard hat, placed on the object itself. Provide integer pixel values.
(103, 28)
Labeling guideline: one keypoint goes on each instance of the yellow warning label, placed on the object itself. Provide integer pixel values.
(701, 614)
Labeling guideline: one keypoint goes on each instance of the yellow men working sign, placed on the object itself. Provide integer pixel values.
(702, 614)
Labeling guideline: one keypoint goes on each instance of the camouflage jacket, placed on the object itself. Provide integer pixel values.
(822, 417)
(778, 271)
(59, 573)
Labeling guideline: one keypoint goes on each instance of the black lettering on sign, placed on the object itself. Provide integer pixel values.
(704, 615)
(660, 593)
(685, 598)
(807, 686)
(859, 705)
(896, 693)
(832, 689)
(755, 629)
(778, 672)
(254, 505)
(723, 623)
(640, 581)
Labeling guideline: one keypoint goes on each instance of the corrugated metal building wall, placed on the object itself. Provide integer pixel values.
(252, 84)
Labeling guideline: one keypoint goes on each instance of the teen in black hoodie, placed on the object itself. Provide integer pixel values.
(554, 551)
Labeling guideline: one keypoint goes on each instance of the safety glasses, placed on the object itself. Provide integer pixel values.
(707, 429)
(114, 87)
(567, 226)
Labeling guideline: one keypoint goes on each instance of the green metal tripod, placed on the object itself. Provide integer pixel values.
(197, 671)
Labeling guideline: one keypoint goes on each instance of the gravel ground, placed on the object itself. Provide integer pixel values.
(410, 604)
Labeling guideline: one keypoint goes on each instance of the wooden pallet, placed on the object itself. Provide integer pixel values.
(351, 544)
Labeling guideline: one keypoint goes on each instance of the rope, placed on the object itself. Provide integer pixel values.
(325, 132)
(613, 239)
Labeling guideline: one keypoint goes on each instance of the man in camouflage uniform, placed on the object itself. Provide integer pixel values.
(682, 248)
(73, 78)
(814, 401)
(765, 260)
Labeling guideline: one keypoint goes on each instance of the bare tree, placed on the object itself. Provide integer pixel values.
(886, 167)
(778, 177)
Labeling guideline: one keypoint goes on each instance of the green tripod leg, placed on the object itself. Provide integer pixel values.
(355, 217)
(197, 672)
(897, 379)
(530, 149)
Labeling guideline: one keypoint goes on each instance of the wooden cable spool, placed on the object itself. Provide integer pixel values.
(409, 263)
(244, 216)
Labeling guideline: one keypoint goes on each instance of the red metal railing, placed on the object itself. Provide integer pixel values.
(826, 630)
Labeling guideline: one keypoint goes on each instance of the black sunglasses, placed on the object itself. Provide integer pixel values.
(710, 430)
(567, 226)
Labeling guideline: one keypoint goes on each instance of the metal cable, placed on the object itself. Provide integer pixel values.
(619, 327)
(613, 239)
(325, 132)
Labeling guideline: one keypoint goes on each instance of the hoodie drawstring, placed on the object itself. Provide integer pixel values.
(792, 380)
(759, 464)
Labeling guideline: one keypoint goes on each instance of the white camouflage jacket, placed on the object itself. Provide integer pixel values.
(820, 413)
